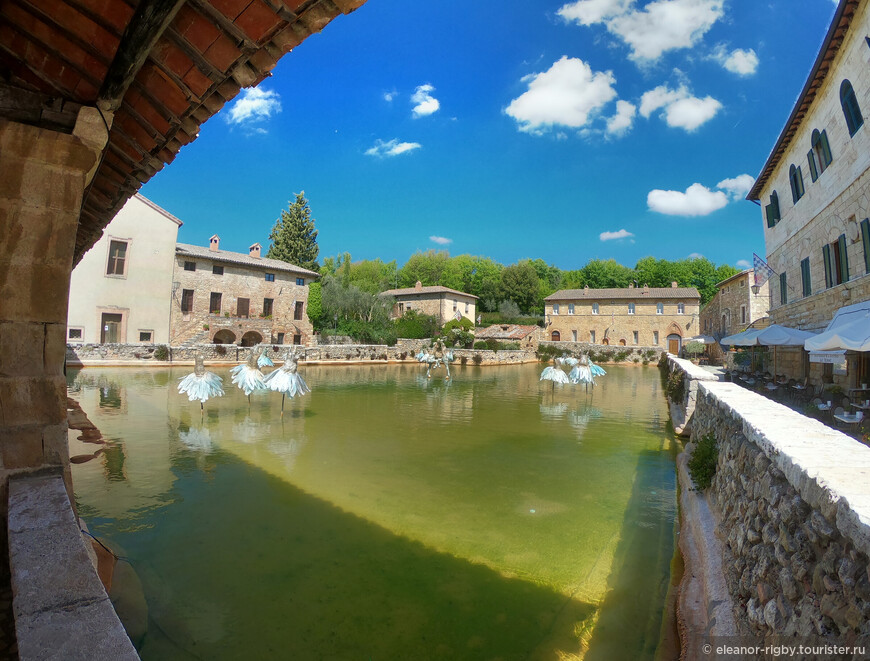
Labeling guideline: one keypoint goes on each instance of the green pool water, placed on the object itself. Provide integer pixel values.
(385, 516)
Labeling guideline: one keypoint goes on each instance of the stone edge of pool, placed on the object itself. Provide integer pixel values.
(61, 608)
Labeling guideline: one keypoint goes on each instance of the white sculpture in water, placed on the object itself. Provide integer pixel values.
(201, 384)
(435, 359)
(286, 378)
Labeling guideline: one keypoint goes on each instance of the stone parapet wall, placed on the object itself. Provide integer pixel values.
(791, 501)
(607, 353)
(682, 411)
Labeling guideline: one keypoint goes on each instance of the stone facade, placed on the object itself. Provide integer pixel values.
(209, 298)
(120, 290)
(734, 307)
(41, 190)
(637, 316)
(528, 337)
(441, 302)
(831, 207)
(789, 502)
(608, 354)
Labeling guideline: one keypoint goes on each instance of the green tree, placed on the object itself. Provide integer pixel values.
(519, 283)
(315, 304)
(293, 238)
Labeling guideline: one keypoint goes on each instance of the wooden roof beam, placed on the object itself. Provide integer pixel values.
(151, 19)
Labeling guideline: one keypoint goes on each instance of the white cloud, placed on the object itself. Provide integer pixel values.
(619, 234)
(424, 103)
(568, 94)
(680, 108)
(382, 149)
(743, 264)
(623, 119)
(737, 187)
(389, 96)
(440, 240)
(739, 61)
(698, 200)
(696, 255)
(254, 105)
(660, 26)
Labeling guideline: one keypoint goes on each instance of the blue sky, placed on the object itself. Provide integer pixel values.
(557, 130)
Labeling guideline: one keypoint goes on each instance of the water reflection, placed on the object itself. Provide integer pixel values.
(485, 469)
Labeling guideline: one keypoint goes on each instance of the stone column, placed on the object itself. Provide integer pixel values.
(43, 176)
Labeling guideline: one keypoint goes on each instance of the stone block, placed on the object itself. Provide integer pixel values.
(22, 346)
(22, 448)
(54, 349)
(55, 444)
(28, 400)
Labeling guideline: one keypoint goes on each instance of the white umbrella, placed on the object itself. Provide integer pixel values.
(748, 338)
(703, 339)
(783, 336)
(848, 330)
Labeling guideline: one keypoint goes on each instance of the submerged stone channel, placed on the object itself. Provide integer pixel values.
(385, 515)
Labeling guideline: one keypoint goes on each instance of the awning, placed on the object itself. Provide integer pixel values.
(829, 357)
(783, 336)
(703, 339)
(747, 338)
(848, 330)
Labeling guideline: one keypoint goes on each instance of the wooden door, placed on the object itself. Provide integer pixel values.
(674, 346)
(243, 306)
(111, 328)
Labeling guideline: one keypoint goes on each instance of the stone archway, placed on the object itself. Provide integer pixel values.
(605, 342)
(556, 336)
(224, 336)
(251, 338)
(622, 342)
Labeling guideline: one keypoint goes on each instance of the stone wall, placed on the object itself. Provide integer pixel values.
(733, 298)
(607, 354)
(792, 506)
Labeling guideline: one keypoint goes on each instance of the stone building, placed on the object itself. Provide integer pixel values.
(440, 302)
(225, 297)
(120, 290)
(735, 306)
(814, 191)
(644, 316)
(528, 337)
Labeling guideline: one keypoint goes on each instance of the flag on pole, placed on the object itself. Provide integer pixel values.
(458, 316)
(762, 270)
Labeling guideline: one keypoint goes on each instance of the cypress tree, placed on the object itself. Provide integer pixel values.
(293, 238)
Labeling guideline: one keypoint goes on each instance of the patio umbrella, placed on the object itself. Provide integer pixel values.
(747, 338)
(848, 330)
(782, 336)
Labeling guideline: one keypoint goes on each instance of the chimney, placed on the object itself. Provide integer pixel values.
(255, 251)
(418, 286)
(214, 243)
(586, 288)
(646, 289)
(673, 285)
(631, 285)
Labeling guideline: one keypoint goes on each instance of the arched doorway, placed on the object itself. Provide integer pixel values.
(605, 342)
(224, 336)
(251, 338)
(622, 343)
(675, 343)
(556, 336)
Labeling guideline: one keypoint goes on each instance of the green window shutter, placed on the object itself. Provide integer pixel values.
(769, 212)
(844, 258)
(806, 283)
(865, 239)
(829, 274)
(826, 148)
(783, 293)
(811, 159)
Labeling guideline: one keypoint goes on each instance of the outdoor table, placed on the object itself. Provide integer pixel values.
(865, 406)
(771, 386)
(824, 407)
(849, 419)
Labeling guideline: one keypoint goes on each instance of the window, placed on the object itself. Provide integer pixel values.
(270, 277)
(806, 283)
(297, 339)
(836, 262)
(819, 155)
(75, 334)
(555, 308)
(190, 266)
(636, 334)
(267, 307)
(660, 308)
(187, 300)
(466, 307)
(783, 289)
(570, 308)
(243, 307)
(631, 308)
(300, 281)
(297, 310)
(865, 238)
(797, 183)
(146, 336)
(656, 338)
(854, 118)
(214, 303)
(592, 337)
(595, 308)
(574, 335)
(742, 314)
(217, 270)
(681, 308)
(455, 304)
(117, 258)
(280, 338)
(771, 211)
(743, 283)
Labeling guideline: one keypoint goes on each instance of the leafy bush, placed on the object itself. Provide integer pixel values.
(675, 388)
(742, 358)
(463, 360)
(546, 352)
(509, 309)
(694, 349)
(463, 324)
(220, 350)
(161, 352)
(415, 325)
(477, 359)
(702, 463)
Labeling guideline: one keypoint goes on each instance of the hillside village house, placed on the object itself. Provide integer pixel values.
(120, 290)
(645, 316)
(440, 302)
(735, 306)
(227, 297)
(814, 191)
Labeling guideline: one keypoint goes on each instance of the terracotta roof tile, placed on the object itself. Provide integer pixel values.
(626, 293)
(433, 289)
(264, 263)
(506, 332)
